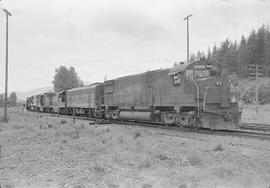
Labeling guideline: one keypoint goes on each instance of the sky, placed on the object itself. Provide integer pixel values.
(114, 38)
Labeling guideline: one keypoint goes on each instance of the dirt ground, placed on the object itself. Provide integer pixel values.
(42, 151)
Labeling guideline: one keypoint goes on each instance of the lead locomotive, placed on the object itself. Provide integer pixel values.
(193, 95)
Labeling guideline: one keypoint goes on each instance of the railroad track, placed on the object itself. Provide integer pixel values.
(256, 127)
(251, 131)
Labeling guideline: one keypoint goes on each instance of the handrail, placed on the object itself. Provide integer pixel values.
(198, 95)
(204, 98)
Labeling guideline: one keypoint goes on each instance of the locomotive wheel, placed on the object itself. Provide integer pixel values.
(188, 120)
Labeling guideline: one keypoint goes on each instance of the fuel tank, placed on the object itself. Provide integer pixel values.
(134, 115)
(135, 109)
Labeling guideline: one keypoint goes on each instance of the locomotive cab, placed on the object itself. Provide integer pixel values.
(213, 99)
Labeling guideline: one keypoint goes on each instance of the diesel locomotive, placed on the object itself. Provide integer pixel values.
(196, 94)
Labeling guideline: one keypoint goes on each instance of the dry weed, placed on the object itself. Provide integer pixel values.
(116, 157)
(162, 157)
(39, 134)
(147, 185)
(17, 127)
(50, 126)
(184, 185)
(121, 139)
(194, 160)
(2, 118)
(63, 121)
(78, 186)
(140, 146)
(145, 164)
(218, 147)
(223, 173)
(41, 126)
(137, 134)
(75, 134)
(99, 171)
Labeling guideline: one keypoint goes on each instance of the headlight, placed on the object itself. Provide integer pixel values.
(218, 83)
(233, 99)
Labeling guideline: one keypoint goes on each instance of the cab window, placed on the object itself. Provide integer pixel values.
(176, 79)
(201, 73)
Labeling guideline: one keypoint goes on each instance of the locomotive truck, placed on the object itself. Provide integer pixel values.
(196, 94)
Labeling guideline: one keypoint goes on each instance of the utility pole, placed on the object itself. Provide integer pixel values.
(257, 83)
(6, 81)
(187, 18)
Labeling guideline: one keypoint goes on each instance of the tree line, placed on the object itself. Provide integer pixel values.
(235, 56)
(11, 101)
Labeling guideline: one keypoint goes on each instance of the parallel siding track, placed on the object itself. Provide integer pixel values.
(256, 127)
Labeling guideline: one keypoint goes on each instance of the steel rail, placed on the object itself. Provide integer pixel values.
(256, 126)
(262, 135)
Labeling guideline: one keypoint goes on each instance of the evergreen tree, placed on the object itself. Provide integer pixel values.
(192, 58)
(209, 54)
(235, 58)
(251, 48)
(242, 58)
(214, 53)
(260, 46)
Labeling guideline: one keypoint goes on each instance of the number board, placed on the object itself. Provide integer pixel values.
(199, 66)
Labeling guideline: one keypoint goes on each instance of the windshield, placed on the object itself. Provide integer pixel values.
(201, 73)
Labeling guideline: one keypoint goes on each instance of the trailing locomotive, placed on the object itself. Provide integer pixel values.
(193, 95)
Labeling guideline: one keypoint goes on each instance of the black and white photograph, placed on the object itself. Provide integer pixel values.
(134, 94)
